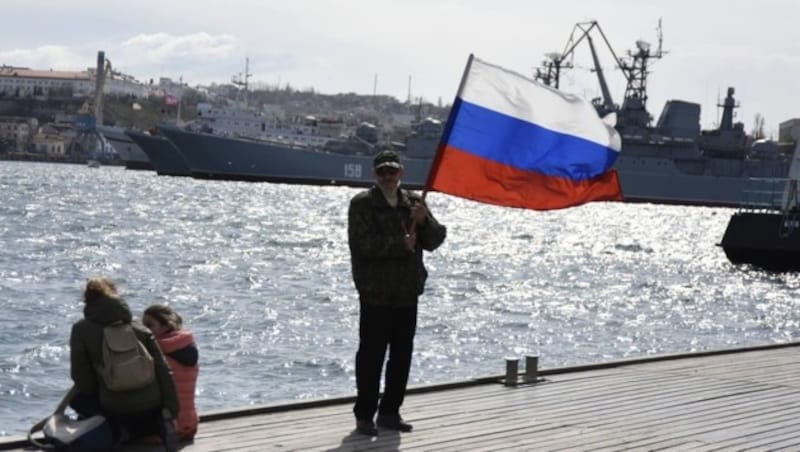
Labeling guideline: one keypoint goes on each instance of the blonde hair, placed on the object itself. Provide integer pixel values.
(100, 287)
(165, 315)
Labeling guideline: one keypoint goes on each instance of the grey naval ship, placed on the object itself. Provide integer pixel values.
(674, 162)
(163, 155)
(338, 162)
(128, 151)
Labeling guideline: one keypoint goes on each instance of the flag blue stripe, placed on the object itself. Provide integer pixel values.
(525, 146)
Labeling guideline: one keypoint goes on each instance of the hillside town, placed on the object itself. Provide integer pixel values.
(53, 115)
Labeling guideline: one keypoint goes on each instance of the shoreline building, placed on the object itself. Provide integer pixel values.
(17, 131)
(19, 82)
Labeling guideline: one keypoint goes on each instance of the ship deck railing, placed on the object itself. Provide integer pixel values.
(768, 194)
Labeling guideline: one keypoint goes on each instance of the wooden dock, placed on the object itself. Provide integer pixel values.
(742, 399)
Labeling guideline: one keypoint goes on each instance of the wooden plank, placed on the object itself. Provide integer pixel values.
(704, 432)
(679, 422)
(748, 400)
(604, 415)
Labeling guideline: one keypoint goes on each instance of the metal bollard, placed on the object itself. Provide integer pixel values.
(512, 369)
(531, 368)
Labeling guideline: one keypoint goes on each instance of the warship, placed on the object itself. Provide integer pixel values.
(672, 161)
(128, 151)
(162, 154)
(346, 161)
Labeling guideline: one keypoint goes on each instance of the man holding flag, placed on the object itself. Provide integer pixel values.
(509, 141)
(388, 228)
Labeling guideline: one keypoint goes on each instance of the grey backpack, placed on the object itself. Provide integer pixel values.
(127, 365)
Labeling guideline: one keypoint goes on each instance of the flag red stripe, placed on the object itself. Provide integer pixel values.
(464, 174)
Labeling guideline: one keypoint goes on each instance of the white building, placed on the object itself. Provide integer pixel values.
(123, 84)
(25, 82)
(17, 129)
(51, 145)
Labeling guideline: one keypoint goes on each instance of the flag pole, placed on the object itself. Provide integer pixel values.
(447, 128)
(445, 135)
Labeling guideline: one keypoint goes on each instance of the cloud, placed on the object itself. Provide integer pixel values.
(201, 57)
(196, 57)
(162, 47)
(46, 57)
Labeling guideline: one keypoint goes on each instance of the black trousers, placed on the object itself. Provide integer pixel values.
(380, 328)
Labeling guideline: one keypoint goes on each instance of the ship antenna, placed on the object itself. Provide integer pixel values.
(660, 34)
(635, 67)
(242, 80)
(247, 76)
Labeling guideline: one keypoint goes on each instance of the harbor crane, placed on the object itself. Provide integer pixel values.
(634, 69)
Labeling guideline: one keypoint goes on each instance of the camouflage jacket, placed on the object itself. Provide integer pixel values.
(384, 272)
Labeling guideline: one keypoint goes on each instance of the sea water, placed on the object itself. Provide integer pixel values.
(260, 273)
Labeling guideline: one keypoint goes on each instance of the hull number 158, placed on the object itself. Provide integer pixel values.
(352, 170)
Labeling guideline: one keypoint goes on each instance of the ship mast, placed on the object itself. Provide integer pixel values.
(242, 80)
(634, 107)
(550, 71)
(727, 110)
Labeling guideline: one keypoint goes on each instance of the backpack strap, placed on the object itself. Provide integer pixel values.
(60, 409)
(37, 427)
(62, 406)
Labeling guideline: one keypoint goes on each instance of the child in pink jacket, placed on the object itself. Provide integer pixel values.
(180, 349)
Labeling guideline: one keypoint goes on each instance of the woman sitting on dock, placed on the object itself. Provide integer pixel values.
(180, 349)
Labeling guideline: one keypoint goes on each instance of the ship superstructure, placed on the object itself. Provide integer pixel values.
(673, 160)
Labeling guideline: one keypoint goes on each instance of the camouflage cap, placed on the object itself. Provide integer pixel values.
(387, 158)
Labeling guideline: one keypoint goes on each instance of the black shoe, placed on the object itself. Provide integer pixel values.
(394, 423)
(366, 427)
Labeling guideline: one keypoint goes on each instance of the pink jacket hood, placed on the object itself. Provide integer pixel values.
(175, 340)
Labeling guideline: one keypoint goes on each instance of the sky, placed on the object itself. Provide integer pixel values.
(421, 46)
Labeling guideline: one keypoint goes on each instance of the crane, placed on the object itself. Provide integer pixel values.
(634, 68)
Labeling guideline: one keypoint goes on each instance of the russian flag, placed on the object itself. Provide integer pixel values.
(514, 142)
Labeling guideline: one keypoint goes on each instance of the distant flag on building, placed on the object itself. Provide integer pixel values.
(170, 100)
(514, 142)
